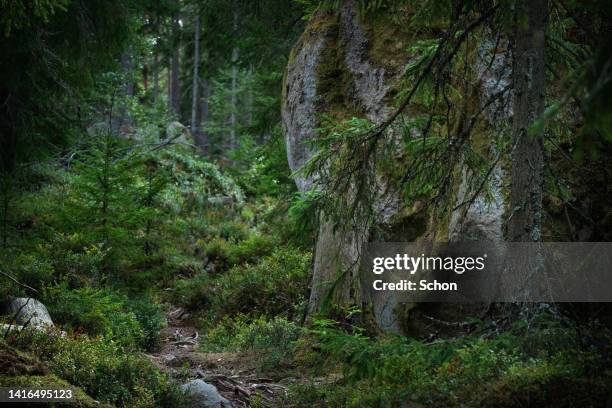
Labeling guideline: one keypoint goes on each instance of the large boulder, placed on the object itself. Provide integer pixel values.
(204, 395)
(335, 70)
(349, 65)
(178, 133)
(30, 312)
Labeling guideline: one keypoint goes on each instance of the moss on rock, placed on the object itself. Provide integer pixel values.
(50, 381)
(21, 370)
(14, 362)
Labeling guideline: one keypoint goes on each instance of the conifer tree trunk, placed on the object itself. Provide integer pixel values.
(155, 65)
(123, 118)
(529, 78)
(174, 85)
(202, 140)
(235, 55)
(195, 126)
(155, 69)
(249, 108)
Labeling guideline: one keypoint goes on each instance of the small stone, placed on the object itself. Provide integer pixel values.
(204, 395)
(31, 312)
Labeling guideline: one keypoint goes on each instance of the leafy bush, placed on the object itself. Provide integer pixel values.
(233, 230)
(263, 169)
(75, 257)
(277, 285)
(253, 248)
(104, 370)
(273, 341)
(195, 181)
(103, 312)
(194, 293)
(150, 316)
(225, 253)
(471, 371)
(33, 270)
(217, 250)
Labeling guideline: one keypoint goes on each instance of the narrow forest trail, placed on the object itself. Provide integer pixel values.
(231, 373)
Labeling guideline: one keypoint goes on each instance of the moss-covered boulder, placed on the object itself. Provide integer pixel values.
(347, 64)
(21, 370)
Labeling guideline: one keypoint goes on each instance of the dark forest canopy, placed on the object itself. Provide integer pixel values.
(188, 189)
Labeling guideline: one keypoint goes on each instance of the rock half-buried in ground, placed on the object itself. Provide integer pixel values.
(204, 395)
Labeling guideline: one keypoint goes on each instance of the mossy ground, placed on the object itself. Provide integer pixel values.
(22, 370)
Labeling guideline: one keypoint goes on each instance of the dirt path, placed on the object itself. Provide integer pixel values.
(231, 373)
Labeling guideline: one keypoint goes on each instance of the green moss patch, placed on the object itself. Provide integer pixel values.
(50, 381)
(13, 362)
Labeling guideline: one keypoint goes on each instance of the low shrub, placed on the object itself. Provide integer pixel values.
(277, 285)
(33, 270)
(103, 370)
(194, 293)
(150, 316)
(251, 250)
(104, 312)
(225, 254)
(272, 340)
(233, 230)
(489, 371)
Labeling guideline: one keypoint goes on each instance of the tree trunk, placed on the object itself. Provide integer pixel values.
(123, 118)
(175, 91)
(202, 139)
(195, 126)
(155, 78)
(155, 67)
(249, 108)
(529, 79)
(145, 77)
(174, 85)
(235, 55)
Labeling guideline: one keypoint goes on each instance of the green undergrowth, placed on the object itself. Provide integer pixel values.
(544, 364)
(100, 368)
(132, 322)
(270, 341)
(255, 307)
(79, 400)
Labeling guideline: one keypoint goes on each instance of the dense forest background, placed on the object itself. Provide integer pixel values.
(186, 188)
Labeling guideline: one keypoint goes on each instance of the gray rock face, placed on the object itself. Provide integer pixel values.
(364, 85)
(31, 312)
(98, 129)
(299, 105)
(342, 36)
(4, 328)
(178, 133)
(482, 220)
(494, 68)
(338, 59)
(369, 81)
(204, 395)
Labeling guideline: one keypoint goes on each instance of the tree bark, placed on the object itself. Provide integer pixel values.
(249, 107)
(529, 82)
(195, 126)
(155, 67)
(233, 103)
(202, 137)
(174, 85)
(145, 77)
(124, 118)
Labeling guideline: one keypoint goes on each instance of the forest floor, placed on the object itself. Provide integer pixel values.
(232, 373)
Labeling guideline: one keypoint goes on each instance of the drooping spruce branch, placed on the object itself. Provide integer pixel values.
(346, 159)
